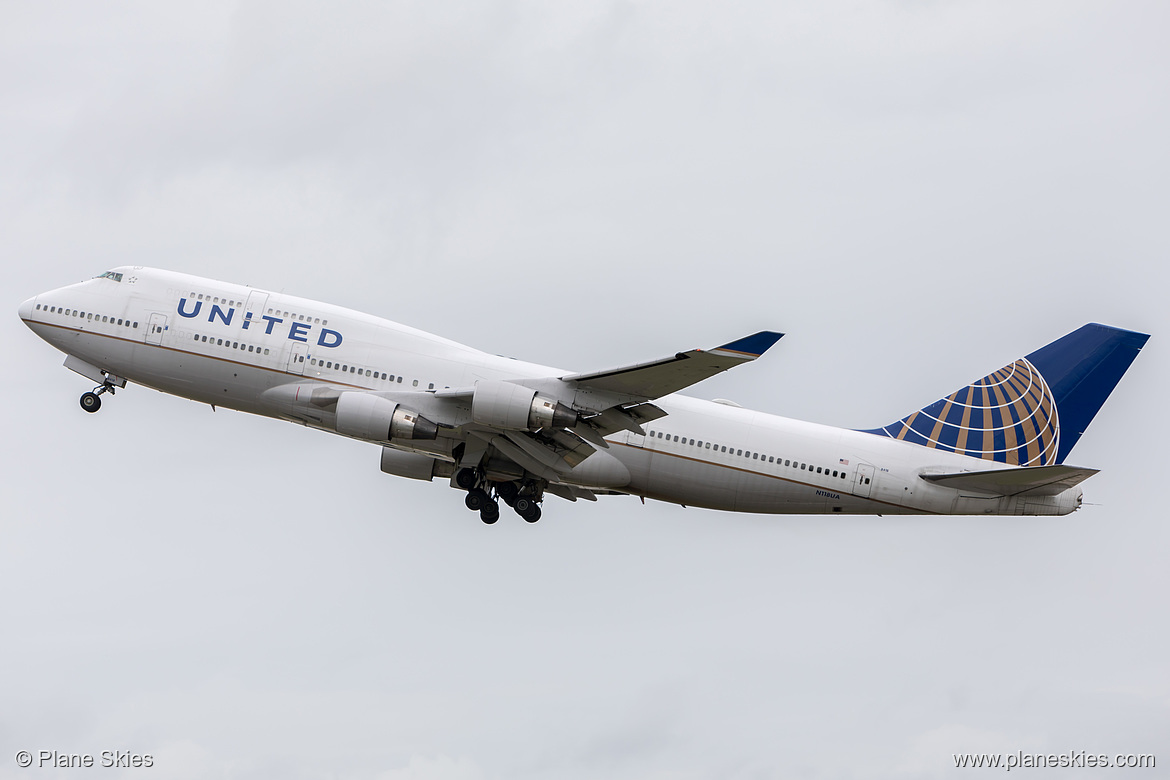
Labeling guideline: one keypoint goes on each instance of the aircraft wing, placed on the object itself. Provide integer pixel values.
(657, 378)
(589, 406)
(1027, 480)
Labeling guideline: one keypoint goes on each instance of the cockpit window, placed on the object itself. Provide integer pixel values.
(110, 275)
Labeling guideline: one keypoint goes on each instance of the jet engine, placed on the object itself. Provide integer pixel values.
(414, 465)
(371, 417)
(510, 406)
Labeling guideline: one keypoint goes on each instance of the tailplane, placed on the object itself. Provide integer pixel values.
(1032, 411)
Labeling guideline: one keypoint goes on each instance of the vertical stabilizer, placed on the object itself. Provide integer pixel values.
(1032, 411)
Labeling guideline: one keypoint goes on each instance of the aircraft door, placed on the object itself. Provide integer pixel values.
(296, 358)
(255, 307)
(155, 328)
(862, 480)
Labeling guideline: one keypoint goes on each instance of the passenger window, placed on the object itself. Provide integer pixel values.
(249, 347)
(399, 380)
(383, 376)
(676, 438)
(265, 350)
(219, 342)
(136, 325)
(235, 345)
(708, 445)
(723, 449)
(739, 452)
(818, 469)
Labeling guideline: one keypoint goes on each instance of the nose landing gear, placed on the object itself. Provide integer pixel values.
(92, 401)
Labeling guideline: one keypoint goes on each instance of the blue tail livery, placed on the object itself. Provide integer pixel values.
(1032, 411)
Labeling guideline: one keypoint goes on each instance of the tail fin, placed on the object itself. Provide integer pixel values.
(1030, 412)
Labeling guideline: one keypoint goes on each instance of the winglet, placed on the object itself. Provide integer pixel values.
(751, 346)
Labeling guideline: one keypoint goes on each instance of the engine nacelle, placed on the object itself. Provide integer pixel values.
(374, 418)
(511, 406)
(413, 465)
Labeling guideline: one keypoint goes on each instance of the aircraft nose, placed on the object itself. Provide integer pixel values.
(26, 309)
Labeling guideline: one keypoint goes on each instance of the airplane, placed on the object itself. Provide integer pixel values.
(500, 429)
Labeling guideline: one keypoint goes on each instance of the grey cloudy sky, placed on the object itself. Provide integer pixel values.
(915, 192)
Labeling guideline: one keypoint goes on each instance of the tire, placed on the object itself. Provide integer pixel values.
(91, 402)
(476, 499)
(523, 506)
(490, 513)
(465, 479)
(508, 491)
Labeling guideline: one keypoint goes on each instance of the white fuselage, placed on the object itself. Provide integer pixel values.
(257, 351)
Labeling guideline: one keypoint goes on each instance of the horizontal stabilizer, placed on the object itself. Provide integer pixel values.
(1031, 480)
(657, 378)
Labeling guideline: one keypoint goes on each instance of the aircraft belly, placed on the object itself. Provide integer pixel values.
(690, 482)
(184, 374)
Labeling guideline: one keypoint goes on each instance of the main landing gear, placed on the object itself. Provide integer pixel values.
(522, 498)
(92, 401)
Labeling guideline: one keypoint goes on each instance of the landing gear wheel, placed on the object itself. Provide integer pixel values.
(477, 499)
(90, 402)
(465, 479)
(490, 513)
(528, 509)
(508, 491)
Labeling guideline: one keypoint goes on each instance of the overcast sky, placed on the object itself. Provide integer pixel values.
(915, 192)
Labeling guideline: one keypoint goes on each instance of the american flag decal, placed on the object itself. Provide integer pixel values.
(843, 462)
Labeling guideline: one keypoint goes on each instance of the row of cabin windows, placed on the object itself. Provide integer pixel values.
(299, 317)
(285, 314)
(88, 316)
(753, 455)
(215, 299)
(231, 344)
(346, 368)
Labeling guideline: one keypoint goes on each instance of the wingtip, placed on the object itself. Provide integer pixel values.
(754, 345)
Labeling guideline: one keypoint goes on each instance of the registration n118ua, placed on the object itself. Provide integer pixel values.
(499, 429)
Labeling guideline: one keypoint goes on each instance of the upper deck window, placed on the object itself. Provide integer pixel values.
(117, 277)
